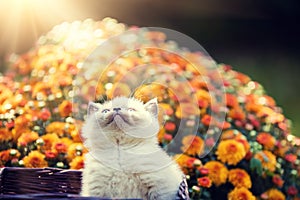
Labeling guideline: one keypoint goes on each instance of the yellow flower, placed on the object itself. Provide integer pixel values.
(60, 128)
(192, 145)
(230, 151)
(267, 159)
(74, 150)
(273, 194)
(217, 172)
(239, 178)
(240, 193)
(35, 159)
(77, 163)
(75, 134)
(161, 134)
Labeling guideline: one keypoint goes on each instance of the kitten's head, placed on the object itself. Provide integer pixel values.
(126, 116)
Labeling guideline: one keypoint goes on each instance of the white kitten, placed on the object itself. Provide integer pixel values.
(124, 159)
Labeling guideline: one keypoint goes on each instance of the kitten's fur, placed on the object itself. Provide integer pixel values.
(124, 159)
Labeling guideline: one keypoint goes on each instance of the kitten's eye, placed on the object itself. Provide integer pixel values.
(105, 111)
(131, 109)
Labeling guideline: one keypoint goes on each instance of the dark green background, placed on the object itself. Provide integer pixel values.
(259, 38)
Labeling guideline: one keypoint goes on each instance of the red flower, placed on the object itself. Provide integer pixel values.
(291, 157)
(249, 155)
(237, 114)
(206, 119)
(50, 154)
(292, 190)
(168, 137)
(223, 125)
(202, 103)
(170, 126)
(210, 141)
(10, 124)
(204, 182)
(45, 114)
(60, 147)
(203, 170)
(277, 180)
(231, 101)
(227, 68)
(266, 139)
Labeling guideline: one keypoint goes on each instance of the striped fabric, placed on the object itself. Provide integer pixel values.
(183, 193)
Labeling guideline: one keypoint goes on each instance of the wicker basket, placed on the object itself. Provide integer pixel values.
(45, 183)
(48, 183)
(41, 184)
(46, 180)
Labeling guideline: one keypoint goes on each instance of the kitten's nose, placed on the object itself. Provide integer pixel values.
(117, 109)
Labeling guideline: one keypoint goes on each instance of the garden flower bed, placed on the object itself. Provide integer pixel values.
(256, 155)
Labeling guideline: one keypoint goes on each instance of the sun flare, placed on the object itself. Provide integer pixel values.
(23, 21)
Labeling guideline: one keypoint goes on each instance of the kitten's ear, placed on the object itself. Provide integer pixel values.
(152, 106)
(92, 108)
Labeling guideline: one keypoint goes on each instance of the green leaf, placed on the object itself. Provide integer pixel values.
(255, 165)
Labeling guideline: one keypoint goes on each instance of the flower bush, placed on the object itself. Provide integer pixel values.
(256, 156)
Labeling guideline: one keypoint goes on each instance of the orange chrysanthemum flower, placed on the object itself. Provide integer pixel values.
(62, 145)
(240, 193)
(186, 162)
(273, 194)
(49, 139)
(266, 139)
(5, 93)
(243, 78)
(23, 121)
(192, 145)
(77, 163)
(238, 136)
(204, 182)
(5, 135)
(185, 110)
(230, 151)
(27, 138)
(267, 159)
(147, 92)
(237, 114)
(65, 108)
(60, 128)
(217, 172)
(8, 155)
(239, 178)
(35, 159)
